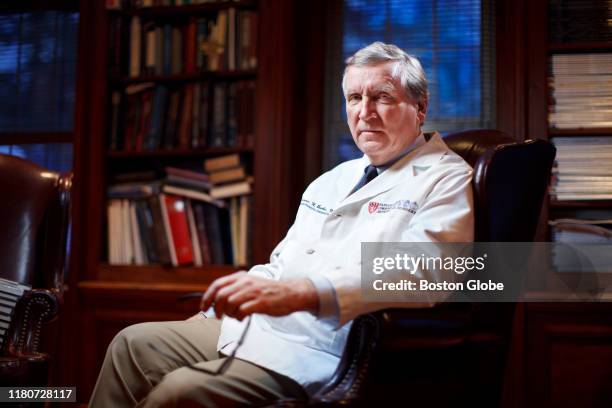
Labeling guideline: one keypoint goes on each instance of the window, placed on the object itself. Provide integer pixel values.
(38, 55)
(454, 41)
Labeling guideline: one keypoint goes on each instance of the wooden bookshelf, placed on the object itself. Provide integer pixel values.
(102, 299)
(164, 274)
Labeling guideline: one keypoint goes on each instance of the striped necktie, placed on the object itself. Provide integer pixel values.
(369, 174)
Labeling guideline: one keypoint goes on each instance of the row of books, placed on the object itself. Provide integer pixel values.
(195, 115)
(136, 4)
(581, 90)
(583, 168)
(225, 41)
(170, 229)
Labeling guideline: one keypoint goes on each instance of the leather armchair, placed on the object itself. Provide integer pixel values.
(33, 249)
(453, 354)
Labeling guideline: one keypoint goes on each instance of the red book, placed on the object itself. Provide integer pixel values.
(190, 43)
(176, 211)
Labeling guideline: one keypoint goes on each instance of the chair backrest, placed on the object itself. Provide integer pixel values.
(510, 180)
(34, 215)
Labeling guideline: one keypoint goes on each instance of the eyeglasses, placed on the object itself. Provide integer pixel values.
(181, 362)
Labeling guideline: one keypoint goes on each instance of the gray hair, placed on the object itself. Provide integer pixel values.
(407, 68)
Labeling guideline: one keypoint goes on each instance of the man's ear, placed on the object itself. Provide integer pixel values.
(422, 111)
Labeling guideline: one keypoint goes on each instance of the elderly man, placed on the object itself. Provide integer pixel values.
(302, 302)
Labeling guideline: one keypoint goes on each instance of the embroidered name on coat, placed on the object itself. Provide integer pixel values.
(311, 205)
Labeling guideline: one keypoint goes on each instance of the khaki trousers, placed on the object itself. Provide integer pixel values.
(133, 374)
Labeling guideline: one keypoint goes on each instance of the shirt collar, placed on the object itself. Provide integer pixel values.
(419, 141)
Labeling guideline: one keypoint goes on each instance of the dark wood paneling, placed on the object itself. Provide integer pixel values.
(85, 181)
(569, 355)
(274, 165)
(102, 320)
(510, 73)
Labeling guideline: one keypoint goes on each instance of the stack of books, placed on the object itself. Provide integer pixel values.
(186, 218)
(583, 168)
(581, 91)
(227, 177)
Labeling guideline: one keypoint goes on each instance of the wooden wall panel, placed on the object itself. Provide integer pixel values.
(102, 320)
(569, 355)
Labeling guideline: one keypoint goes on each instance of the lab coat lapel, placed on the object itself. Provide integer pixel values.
(403, 171)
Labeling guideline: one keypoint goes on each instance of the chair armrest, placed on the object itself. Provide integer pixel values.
(34, 309)
(441, 326)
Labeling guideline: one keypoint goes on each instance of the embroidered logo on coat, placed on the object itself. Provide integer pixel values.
(405, 205)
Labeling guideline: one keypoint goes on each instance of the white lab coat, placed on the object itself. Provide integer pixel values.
(326, 237)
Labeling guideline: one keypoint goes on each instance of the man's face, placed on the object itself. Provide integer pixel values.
(383, 119)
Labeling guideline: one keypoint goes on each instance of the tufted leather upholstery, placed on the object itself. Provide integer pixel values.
(453, 354)
(33, 249)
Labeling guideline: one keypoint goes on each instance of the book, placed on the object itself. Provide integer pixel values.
(193, 234)
(175, 219)
(135, 46)
(230, 190)
(214, 225)
(146, 228)
(139, 257)
(186, 173)
(227, 175)
(160, 232)
(222, 162)
(218, 130)
(193, 194)
(200, 223)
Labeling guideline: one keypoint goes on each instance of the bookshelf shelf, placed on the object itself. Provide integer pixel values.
(199, 76)
(580, 204)
(164, 274)
(578, 132)
(154, 154)
(186, 10)
(581, 47)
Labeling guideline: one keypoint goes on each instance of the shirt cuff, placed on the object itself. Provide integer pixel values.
(329, 310)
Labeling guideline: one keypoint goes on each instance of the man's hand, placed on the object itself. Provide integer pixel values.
(239, 295)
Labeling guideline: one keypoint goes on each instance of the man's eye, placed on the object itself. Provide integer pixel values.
(354, 98)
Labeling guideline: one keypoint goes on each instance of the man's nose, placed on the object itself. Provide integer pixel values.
(368, 109)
